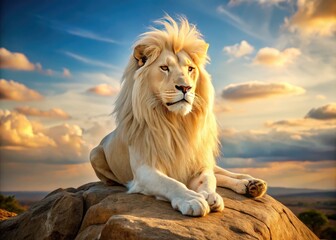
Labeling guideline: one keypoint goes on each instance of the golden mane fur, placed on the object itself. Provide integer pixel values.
(179, 146)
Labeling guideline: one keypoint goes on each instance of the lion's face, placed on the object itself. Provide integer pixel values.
(173, 80)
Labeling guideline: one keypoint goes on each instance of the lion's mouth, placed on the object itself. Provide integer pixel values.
(182, 100)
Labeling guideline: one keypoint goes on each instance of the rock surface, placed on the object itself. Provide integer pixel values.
(97, 211)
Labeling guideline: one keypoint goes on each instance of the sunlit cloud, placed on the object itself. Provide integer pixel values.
(18, 131)
(104, 90)
(313, 17)
(52, 113)
(239, 50)
(306, 174)
(256, 90)
(325, 112)
(15, 61)
(320, 97)
(272, 57)
(89, 61)
(300, 124)
(11, 90)
(29, 141)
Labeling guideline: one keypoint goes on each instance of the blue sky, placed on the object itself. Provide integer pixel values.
(272, 65)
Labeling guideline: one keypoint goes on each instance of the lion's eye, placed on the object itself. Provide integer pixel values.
(190, 69)
(165, 68)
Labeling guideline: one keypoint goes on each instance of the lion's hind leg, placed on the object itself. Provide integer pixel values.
(240, 183)
(100, 166)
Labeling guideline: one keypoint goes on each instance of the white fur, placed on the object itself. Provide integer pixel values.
(166, 142)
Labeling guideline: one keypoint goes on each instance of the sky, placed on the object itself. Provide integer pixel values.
(273, 66)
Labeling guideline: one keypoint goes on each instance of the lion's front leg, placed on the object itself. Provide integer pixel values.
(205, 183)
(149, 181)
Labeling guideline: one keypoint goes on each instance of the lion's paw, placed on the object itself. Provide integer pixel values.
(196, 206)
(214, 200)
(256, 188)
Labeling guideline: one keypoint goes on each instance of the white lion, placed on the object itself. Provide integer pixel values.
(166, 142)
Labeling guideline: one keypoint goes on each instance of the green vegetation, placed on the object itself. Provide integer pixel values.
(314, 220)
(10, 204)
(318, 222)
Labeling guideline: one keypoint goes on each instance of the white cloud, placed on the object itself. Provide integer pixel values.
(313, 17)
(11, 90)
(274, 58)
(15, 61)
(239, 50)
(262, 2)
(90, 35)
(89, 61)
(257, 90)
(52, 113)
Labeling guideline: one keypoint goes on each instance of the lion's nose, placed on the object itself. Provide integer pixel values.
(182, 88)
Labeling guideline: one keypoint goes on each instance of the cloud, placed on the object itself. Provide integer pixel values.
(323, 113)
(313, 17)
(306, 174)
(11, 90)
(66, 72)
(90, 61)
(255, 90)
(300, 124)
(17, 130)
(29, 141)
(279, 145)
(236, 21)
(15, 61)
(320, 97)
(90, 35)
(262, 2)
(272, 57)
(52, 113)
(239, 50)
(104, 90)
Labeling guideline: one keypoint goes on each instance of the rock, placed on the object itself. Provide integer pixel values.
(97, 211)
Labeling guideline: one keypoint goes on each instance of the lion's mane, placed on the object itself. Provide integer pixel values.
(179, 146)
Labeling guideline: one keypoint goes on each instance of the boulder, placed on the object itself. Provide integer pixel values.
(97, 211)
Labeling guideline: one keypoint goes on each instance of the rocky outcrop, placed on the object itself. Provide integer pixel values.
(97, 211)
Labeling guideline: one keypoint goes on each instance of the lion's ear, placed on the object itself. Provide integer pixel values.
(139, 54)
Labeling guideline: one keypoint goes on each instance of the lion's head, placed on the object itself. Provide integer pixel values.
(172, 79)
(166, 68)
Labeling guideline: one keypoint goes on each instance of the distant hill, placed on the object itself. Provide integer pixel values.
(26, 198)
(281, 191)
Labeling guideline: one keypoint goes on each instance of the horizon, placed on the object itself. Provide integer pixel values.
(272, 187)
(272, 67)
